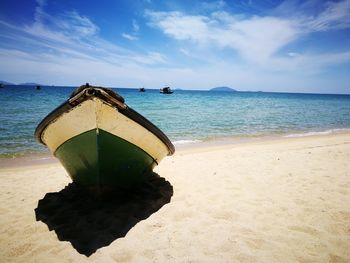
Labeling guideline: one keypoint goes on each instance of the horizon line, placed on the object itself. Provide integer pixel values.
(31, 84)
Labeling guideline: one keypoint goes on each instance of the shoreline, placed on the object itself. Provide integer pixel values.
(38, 159)
(9, 160)
(27, 161)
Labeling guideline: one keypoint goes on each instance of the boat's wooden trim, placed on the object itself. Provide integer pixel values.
(85, 115)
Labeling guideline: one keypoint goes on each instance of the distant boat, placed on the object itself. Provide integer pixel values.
(38, 87)
(1, 86)
(166, 90)
(101, 141)
(142, 89)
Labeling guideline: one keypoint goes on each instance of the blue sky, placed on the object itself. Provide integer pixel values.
(292, 46)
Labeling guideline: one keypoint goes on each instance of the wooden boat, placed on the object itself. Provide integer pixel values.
(101, 141)
(166, 90)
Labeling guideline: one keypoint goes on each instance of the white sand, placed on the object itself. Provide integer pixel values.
(284, 200)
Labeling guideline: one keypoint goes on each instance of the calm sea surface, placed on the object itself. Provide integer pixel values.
(185, 116)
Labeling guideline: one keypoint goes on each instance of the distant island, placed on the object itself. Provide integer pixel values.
(21, 84)
(223, 89)
(5, 83)
(30, 84)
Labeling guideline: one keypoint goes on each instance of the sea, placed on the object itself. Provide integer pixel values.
(187, 117)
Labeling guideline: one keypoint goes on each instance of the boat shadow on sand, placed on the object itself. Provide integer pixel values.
(90, 223)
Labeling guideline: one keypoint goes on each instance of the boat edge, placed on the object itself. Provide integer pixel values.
(87, 92)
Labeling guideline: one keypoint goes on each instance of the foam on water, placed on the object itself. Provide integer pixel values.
(181, 142)
(316, 133)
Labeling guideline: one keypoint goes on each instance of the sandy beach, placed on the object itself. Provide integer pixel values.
(281, 200)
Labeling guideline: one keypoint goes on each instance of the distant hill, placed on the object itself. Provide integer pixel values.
(223, 89)
(5, 82)
(30, 84)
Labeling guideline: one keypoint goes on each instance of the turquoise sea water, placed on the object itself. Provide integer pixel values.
(185, 116)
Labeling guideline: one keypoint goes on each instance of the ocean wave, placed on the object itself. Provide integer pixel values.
(180, 142)
(315, 133)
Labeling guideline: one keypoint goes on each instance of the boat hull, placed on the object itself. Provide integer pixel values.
(99, 158)
(102, 142)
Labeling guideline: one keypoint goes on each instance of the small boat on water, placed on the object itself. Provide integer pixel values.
(1, 86)
(166, 90)
(101, 141)
(142, 89)
(38, 87)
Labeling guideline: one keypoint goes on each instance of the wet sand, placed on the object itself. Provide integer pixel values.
(283, 200)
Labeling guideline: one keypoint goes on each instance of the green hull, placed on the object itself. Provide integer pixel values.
(98, 158)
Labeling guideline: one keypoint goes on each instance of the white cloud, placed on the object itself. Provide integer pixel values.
(66, 28)
(180, 26)
(335, 16)
(70, 24)
(130, 37)
(39, 10)
(151, 58)
(69, 51)
(133, 34)
(259, 38)
(313, 63)
(75, 70)
(255, 39)
(73, 23)
(75, 36)
(313, 15)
